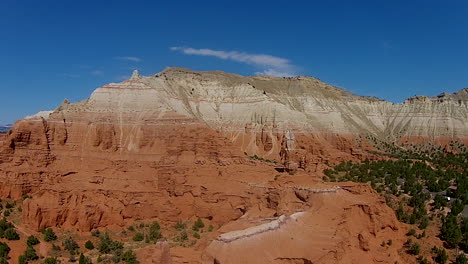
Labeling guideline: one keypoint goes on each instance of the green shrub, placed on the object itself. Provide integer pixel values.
(131, 228)
(461, 259)
(210, 228)
(411, 232)
(26, 196)
(50, 261)
(155, 232)
(49, 235)
(11, 234)
(424, 223)
(30, 253)
(180, 225)
(70, 244)
(107, 245)
(414, 249)
(4, 250)
(84, 260)
(9, 205)
(198, 225)
(22, 259)
(7, 213)
(89, 245)
(440, 255)
(196, 235)
(138, 237)
(129, 257)
(32, 241)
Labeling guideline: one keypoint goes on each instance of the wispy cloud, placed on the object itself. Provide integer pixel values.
(123, 77)
(97, 73)
(270, 65)
(129, 58)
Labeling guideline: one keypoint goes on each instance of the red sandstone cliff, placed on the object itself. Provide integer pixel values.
(176, 146)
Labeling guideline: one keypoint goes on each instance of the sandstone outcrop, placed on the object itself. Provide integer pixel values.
(183, 144)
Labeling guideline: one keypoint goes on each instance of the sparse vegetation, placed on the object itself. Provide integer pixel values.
(29, 254)
(4, 250)
(410, 181)
(154, 233)
(198, 225)
(11, 234)
(180, 226)
(83, 259)
(89, 245)
(138, 237)
(49, 234)
(32, 241)
(70, 244)
(51, 260)
(129, 257)
(107, 245)
(440, 255)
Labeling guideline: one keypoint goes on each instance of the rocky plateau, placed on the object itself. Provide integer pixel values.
(242, 153)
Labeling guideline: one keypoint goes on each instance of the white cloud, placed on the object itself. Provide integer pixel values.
(271, 65)
(129, 58)
(97, 73)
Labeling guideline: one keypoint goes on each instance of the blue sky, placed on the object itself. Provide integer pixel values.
(51, 50)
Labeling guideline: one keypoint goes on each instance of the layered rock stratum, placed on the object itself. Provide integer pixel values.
(183, 144)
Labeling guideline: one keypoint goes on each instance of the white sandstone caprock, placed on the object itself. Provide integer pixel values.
(135, 75)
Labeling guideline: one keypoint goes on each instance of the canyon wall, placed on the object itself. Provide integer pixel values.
(184, 144)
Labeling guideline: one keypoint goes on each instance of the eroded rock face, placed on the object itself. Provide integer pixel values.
(184, 144)
(342, 226)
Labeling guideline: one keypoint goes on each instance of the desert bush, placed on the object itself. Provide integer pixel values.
(138, 237)
(154, 232)
(440, 255)
(180, 225)
(30, 254)
(411, 232)
(70, 244)
(129, 257)
(461, 259)
(107, 245)
(4, 250)
(89, 245)
(32, 241)
(51, 261)
(198, 225)
(84, 260)
(11, 234)
(49, 235)
(22, 259)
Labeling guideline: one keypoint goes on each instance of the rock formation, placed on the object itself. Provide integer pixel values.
(183, 144)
